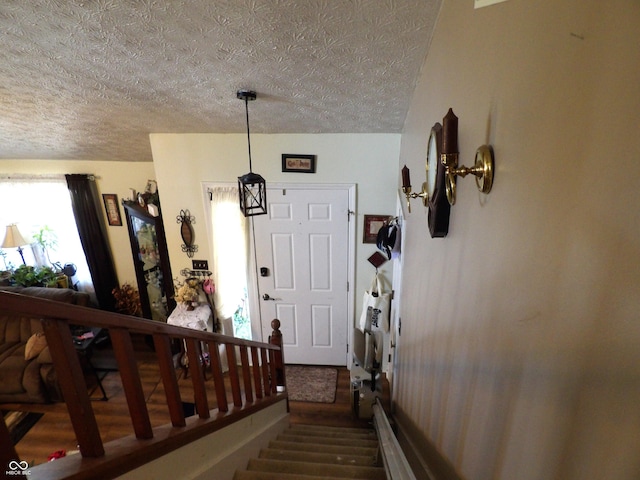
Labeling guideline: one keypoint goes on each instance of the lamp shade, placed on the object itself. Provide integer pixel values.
(13, 238)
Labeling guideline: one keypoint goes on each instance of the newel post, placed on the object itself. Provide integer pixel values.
(276, 339)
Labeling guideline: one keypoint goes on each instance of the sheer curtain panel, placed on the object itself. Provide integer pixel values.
(229, 246)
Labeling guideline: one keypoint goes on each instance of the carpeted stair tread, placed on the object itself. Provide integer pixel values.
(317, 469)
(363, 434)
(328, 440)
(337, 458)
(317, 453)
(247, 475)
(315, 428)
(311, 447)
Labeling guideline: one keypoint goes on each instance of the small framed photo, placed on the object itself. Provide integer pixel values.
(372, 225)
(298, 163)
(112, 208)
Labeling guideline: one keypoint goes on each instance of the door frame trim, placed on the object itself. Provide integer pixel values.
(350, 188)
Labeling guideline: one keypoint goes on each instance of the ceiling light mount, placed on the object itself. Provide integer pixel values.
(247, 95)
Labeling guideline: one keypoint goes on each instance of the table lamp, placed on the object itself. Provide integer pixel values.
(13, 238)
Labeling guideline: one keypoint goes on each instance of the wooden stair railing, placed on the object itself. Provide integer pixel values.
(263, 377)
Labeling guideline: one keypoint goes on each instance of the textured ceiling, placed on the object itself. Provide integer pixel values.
(90, 79)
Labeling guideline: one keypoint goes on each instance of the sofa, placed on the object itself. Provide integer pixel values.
(26, 369)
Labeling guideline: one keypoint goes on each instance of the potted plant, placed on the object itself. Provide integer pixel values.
(28, 276)
(127, 300)
(47, 240)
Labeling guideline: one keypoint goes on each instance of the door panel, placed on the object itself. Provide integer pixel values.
(321, 323)
(288, 325)
(303, 241)
(284, 274)
(320, 268)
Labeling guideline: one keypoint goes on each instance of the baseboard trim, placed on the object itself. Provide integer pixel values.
(423, 456)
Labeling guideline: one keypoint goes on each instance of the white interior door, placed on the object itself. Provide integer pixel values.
(302, 259)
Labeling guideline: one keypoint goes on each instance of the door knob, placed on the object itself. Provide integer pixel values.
(267, 297)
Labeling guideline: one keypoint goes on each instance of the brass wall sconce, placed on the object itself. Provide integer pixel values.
(439, 191)
(406, 189)
(433, 190)
(482, 168)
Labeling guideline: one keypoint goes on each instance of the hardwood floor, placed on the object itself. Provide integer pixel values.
(54, 431)
(337, 414)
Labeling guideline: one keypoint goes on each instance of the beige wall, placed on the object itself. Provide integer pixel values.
(519, 356)
(220, 454)
(184, 161)
(112, 177)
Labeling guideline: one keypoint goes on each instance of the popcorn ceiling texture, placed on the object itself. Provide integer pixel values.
(90, 79)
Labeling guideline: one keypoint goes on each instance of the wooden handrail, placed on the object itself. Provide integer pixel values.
(266, 374)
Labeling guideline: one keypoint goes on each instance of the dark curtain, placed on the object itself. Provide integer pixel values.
(87, 210)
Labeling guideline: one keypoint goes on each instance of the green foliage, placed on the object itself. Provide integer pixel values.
(47, 239)
(241, 320)
(28, 276)
(3, 254)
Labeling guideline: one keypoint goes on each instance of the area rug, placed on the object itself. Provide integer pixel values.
(19, 423)
(311, 384)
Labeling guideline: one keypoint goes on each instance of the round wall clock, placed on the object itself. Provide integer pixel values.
(439, 208)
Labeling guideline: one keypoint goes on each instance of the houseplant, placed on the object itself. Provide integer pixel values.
(127, 300)
(47, 239)
(28, 276)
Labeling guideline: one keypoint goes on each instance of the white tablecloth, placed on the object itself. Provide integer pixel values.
(198, 318)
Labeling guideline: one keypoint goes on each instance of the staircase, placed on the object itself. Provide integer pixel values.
(306, 452)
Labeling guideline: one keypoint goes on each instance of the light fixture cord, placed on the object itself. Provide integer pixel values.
(246, 106)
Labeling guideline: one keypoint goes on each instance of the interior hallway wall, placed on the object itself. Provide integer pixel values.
(519, 350)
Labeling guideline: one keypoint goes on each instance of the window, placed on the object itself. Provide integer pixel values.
(229, 246)
(42, 203)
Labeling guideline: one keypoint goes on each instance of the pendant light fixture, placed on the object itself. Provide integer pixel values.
(252, 188)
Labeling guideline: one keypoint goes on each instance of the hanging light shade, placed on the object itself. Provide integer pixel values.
(252, 188)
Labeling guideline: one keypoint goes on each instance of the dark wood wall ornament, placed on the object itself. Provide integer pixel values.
(186, 220)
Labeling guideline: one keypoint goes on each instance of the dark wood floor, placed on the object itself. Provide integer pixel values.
(54, 431)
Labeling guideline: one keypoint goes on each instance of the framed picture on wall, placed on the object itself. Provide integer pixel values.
(372, 225)
(298, 163)
(112, 208)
